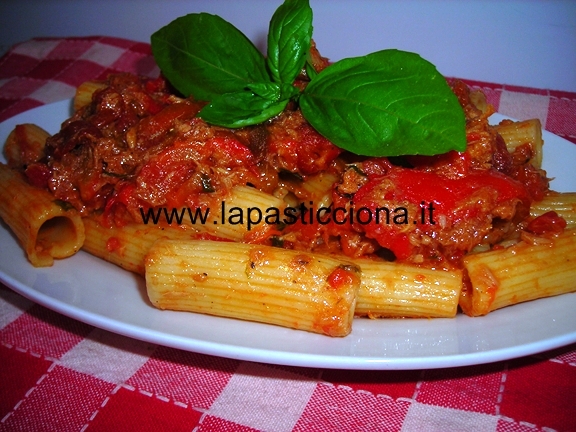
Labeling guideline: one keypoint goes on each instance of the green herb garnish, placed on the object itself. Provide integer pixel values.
(289, 40)
(388, 103)
(206, 56)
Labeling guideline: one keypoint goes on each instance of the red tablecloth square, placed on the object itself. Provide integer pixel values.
(146, 413)
(16, 65)
(82, 68)
(48, 69)
(538, 393)
(15, 384)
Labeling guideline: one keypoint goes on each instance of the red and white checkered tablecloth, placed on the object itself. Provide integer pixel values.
(58, 374)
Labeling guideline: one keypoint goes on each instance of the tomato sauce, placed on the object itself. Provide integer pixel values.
(138, 146)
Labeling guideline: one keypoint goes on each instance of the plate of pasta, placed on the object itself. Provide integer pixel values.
(366, 213)
(102, 294)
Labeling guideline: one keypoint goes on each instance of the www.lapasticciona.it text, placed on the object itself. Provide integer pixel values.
(306, 215)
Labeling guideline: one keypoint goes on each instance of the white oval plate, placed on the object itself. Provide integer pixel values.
(100, 294)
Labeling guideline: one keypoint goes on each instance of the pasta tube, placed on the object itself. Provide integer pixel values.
(253, 282)
(45, 228)
(247, 215)
(395, 290)
(516, 134)
(319, 188)
(562, 203)
(520, 273)
(25, 145)
(84, 93)
(126, 246)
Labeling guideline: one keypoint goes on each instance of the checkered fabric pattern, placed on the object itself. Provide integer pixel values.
(46, 70)
(58, 374)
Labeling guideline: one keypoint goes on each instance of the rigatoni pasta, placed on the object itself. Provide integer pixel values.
(391, 290)
(564, 204)
(527, 132)
(25, 145)
(241, 215)
(252, 282)
(84, 93)
(46, 228)
(128, 245)
(519, 273)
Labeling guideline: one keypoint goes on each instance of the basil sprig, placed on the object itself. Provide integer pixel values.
(205, 56)
(289, 39)
(392, 101)
(388, 103)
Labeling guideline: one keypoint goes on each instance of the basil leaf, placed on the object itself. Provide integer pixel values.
(205, 56)
(266, 90)
(288, 91)
(273, 91)
(388, 103)
(289, 39)
(239, 109)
